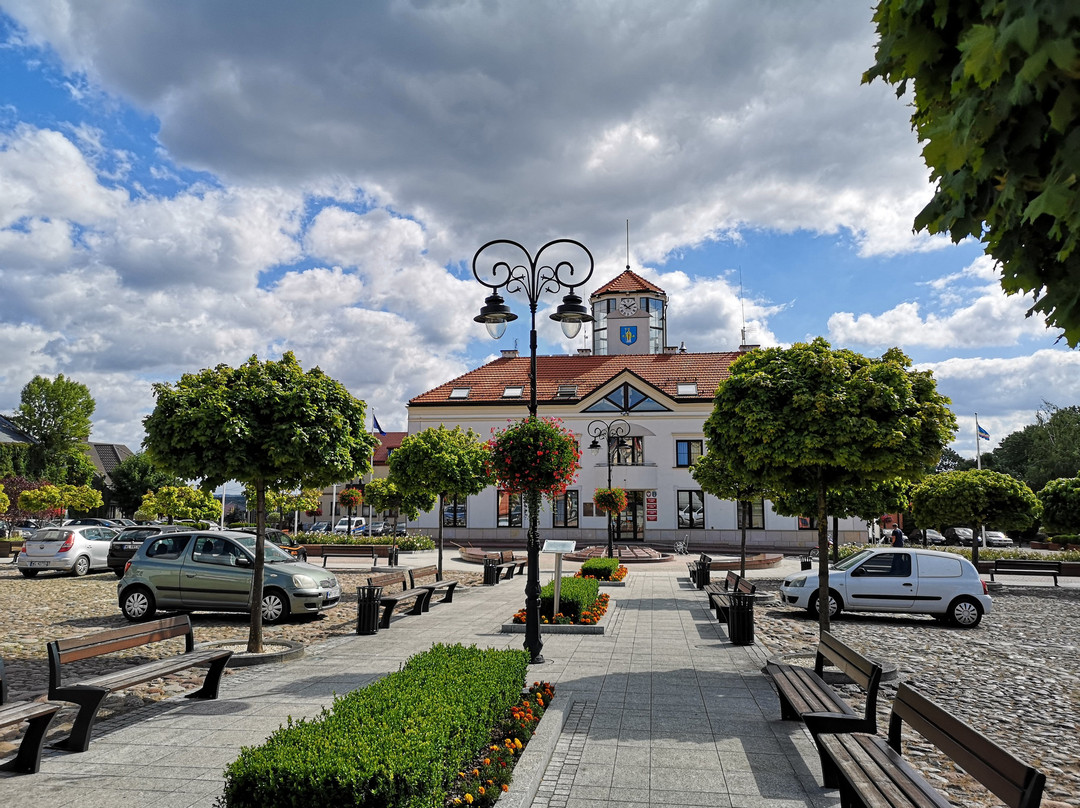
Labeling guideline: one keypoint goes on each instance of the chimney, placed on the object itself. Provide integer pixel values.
(509, 353)
(584, 351)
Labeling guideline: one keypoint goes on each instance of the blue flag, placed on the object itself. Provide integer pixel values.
(983, 434)
(375, 424)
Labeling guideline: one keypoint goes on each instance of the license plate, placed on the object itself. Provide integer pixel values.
(333, 593)
(39, 563)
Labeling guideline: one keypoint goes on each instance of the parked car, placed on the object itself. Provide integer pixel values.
(320, 527)
(342, 525)
(77, 549)
(995, 538)
(958, 535)
(374, 529)
(128, 540)
(211, 571)
(932, 536)
(282, 540)
(94, 520)
(905, 580)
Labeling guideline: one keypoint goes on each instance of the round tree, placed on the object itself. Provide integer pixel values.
(812, 418)
(1060, 501)
(269, 424)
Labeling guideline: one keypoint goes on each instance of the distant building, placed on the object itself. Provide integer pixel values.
(663, 393)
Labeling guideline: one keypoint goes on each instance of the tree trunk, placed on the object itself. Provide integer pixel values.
(823, 558)
(255, 634)
(975, 537)
(442, 518)
(836, 538)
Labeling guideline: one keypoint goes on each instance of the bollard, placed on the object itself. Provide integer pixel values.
(367, 609)
(741, 619)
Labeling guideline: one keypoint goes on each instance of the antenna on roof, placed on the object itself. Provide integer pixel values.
(742, 307)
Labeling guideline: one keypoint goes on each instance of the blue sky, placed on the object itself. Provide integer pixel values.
(188, 184)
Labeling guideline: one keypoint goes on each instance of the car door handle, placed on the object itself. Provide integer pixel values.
(909, 584)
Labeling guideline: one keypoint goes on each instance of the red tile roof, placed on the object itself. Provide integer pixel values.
(662, 371)
(389, 441)
(627, 281)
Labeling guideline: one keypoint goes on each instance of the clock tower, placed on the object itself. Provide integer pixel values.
(630, 316)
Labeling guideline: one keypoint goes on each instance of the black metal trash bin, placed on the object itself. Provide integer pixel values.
(491, 572)
(741, 619)
(392, 556)
(806, 562)
(704, 574)
(367, 609)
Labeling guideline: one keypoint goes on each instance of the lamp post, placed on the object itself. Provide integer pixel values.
(503, 269)
(617, 429)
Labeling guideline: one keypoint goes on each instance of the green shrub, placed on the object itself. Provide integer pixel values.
(575, 596)
(398, 742)
(600, 568)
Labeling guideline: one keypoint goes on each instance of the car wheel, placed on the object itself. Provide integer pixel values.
(119, 572)
(138, 604)
(274, 607)
(29, 573)
(82, 566)
(965, 612)
(835, 605)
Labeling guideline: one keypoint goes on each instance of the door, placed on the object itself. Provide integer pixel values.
(630, 526)
(212, 580)
(884, 582)
(100, 538)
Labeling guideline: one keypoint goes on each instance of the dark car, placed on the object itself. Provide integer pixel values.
(958, 535)
(95, 520)
(284, 541)
(123, 547)
(932, 537)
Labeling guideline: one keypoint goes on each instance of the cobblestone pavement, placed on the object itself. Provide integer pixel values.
(1017, 677)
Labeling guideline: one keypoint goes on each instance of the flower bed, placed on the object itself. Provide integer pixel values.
(491, 772)
(587, 617)
(602, 569)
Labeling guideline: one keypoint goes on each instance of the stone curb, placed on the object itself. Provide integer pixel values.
(283, 651)
(529, 770)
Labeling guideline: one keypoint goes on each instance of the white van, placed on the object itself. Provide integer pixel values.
(343, 524)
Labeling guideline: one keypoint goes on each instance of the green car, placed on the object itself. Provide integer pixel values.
(212, 571)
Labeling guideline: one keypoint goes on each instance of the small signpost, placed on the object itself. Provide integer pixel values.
(558, 548)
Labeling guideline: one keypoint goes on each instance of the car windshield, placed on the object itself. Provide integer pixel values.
(271, 552)
(852, 560)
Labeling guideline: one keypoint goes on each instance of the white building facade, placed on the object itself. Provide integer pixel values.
(655, 398)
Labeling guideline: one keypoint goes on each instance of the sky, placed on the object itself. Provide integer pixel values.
(188, 184)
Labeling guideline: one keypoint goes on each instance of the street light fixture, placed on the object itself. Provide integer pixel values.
(533, 278)
(617, 429)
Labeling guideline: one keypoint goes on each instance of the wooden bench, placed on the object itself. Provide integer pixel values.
(38, 715)
(693, 566)
(871, 772)
(720, 598)
(372, 551)
(89, 693)
(804, 694)
(1025, 566)
(389, 601)
(439, 585)
(511, 564)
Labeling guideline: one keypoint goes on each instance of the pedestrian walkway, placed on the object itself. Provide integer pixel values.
(661, 709)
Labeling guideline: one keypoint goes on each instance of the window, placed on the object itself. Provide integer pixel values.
(454, 512)
(807, 523)
(628, 451)
(460, 392)
(686, 389)
(513, 392)
(626, 398)
(885, 565)
(687, 452)
(566, 510)
(566, 391)
(509, 510)
(752, 514)
(691, 506)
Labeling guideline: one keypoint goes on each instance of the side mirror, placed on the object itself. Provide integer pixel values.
(243, 561)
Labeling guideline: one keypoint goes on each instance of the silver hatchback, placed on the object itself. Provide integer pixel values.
(76, 549)
(212, 571)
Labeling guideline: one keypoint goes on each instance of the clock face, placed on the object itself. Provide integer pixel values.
(627, 306)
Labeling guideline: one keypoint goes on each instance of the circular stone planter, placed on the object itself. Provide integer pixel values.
(889, 671)
(273, 651)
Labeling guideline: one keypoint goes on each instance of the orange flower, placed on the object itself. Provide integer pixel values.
(505, 787)
(481, 790)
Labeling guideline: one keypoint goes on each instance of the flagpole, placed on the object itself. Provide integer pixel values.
(978, 452)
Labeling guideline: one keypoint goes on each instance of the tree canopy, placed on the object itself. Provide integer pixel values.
(133, 477)
(384, 495)
(269, 424)
(51, 497)
(725, 480)
(57, 413)
(181, 502)
(1047, 450)
(974, 498)
(1060, 500)
(809, 418)
(996, 105)
(449, 463)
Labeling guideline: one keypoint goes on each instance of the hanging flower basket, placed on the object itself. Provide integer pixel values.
(609, 500)
(351, 498)
(536, 454)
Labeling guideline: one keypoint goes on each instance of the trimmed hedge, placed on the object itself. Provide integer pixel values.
(576, 595)
(600, 568)
(398, 742)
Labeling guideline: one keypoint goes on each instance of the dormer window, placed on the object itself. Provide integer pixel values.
(460, 392)
(566, 391)
(513, 392)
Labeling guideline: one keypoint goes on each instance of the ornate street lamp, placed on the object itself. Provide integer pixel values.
(617, 430)
(533, 278)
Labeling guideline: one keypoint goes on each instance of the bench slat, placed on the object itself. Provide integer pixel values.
(122, 679)
(121, 639)
(876, 776)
